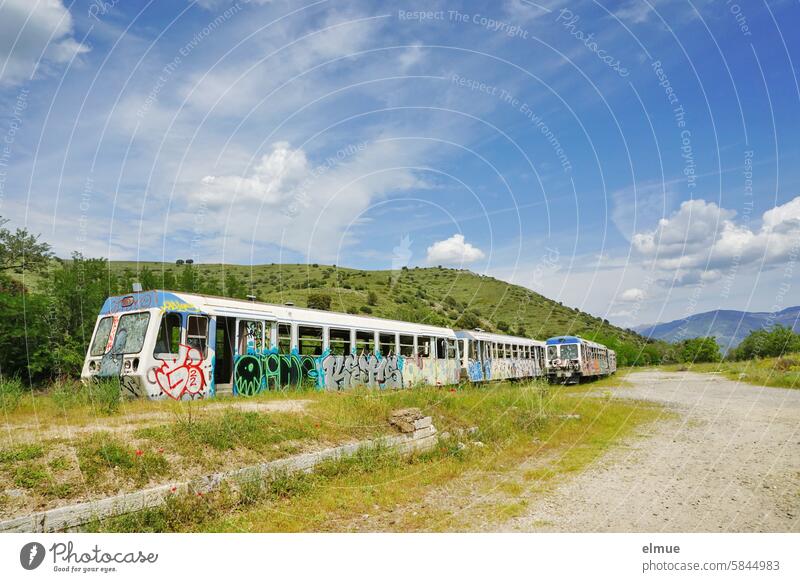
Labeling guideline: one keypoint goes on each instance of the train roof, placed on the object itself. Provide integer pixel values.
(573, 339)
(485, 336)
(224, 306)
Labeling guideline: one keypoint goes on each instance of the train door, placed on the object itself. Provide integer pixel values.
(223, 353)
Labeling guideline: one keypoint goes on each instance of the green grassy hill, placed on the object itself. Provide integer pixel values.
(439, 296)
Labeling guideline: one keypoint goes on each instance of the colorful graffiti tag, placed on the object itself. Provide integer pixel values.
(479, 371)
(183, 377)
(339, 372)
(272, 370)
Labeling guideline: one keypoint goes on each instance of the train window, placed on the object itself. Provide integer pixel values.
(101, 336)
(424, 346)
(134, 326)
(251, 336)
(284, 338)
(495, 351)
(451, 349)
(197, 333)
(552, 352)
(406, 345)
(441, 348)
(309, 340)
(387, 343)
(340, 342)
(365, 341)
(506, 351)
(473, 349)
(569, 352)
(169, 334)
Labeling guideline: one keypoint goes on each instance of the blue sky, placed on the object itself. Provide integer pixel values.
(633, 159)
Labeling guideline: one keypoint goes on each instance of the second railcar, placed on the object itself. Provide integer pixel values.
(491, 356)
(571, 359)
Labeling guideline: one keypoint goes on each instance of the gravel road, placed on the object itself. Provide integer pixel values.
(729, 463)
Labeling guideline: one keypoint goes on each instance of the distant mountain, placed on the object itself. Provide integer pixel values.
(728, 326)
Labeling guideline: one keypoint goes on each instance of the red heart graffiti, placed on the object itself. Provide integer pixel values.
(182, 375)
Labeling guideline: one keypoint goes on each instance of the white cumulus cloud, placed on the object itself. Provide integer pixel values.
(700, 241)
(33, 35)
(454, 251)
(632, 295)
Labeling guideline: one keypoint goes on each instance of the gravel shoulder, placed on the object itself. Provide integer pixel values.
(729, 462)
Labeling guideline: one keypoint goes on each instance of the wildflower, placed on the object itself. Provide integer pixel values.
(139, 452)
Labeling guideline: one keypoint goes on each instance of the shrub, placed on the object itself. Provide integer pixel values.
(372, 298)
(699, 349)
(365, 309)
(10, 393)
(319, 301)
(468, 320)
(106, 395)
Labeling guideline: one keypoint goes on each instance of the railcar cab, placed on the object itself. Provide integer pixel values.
(156, 344)
(572, 358)
(564, 359)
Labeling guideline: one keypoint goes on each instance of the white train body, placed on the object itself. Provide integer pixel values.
(183, 346)
(491, 356)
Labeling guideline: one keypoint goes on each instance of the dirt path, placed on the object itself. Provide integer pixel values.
(730, 462)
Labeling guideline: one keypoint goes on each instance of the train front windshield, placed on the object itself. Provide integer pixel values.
(569, 351)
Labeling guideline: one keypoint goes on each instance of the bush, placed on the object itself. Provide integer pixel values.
(319, 301)
(104, 394)
(468, 320)
(699, 349)
(365, 309)
(372, 298)
(763, 343)
(11, 391)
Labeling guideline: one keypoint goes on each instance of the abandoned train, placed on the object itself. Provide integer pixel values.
(183, 346)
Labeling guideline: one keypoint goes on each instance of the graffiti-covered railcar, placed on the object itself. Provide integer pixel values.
(490, 356)
(185, 346)
(571, 359)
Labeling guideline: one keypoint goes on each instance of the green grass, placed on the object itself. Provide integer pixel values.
(104, 459)
(514, 423)
(269, 435)
(781, 372)
(20, 453)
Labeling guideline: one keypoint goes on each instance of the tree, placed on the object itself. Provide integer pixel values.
(372, 298)
(21, 250)
(319, 301)
(234, 287)
(468, 320)
(699, 349)
(148, 279)
(762, 343)
(186, 278)
(503, 326)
